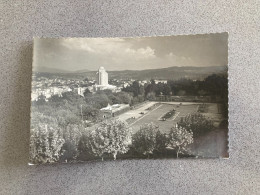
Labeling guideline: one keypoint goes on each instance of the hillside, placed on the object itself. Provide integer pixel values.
(172, 73)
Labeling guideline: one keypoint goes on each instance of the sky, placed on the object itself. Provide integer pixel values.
(74, 54)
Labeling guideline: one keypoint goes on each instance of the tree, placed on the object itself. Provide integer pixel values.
(86, 92)
(66, 117)
(114, 99)
(46, 139)
(134, 88)
(197, 124)
(151, 96)
(202, 92)
(111, 137)
(84, 147)
(161, 141)
(41, 100)
(144, 140)
(166, 89)
(124, 97)
(179, 139)
(91, 113)
(181, 93)
(55, 98)
(71, 134)
(98, 101)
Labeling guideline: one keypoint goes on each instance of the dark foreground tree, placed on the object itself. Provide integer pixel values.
(144, 140)
(71, 134)
(111, 137)
(161, 141)
(84, 148)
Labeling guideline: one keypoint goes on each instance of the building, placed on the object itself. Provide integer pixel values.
(102, 77)
(160, 81)
(102, 81)
(81, 91)
(114, 110)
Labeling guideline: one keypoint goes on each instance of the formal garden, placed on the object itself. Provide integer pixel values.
(69, 128)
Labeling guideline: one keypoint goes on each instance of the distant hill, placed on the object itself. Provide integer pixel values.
(169, 73)
(82, 71)
(49, 70)
(172, 73)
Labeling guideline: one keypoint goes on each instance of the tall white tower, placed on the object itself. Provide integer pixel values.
(102, 76)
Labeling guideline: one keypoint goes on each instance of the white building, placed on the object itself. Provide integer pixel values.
(81, 91)
(102, 77)
(102, 81)
(160, 81)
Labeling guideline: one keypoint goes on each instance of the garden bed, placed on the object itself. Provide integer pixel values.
(168, 115)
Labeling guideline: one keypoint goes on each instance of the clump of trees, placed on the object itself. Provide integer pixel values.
(197, 124)
(51, 143)
(213, 85)
(149, 140)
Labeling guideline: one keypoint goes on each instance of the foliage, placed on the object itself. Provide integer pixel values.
(46, 140)
(87, 92)
(161, 141)
(151, 96)
(144, 140)
(90, 113)
(71, 134)
(59, 134)
(137, 99)
(41, 100)
(66, 117)
(135, 88)
(179, 139)
(72, 97)
(84, 150)
(111, 137)
(98, 100)
(124, 97)
(197, 124)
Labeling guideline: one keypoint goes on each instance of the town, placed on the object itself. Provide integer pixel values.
(47, 87)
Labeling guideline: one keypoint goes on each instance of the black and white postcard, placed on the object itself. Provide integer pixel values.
(129, 98)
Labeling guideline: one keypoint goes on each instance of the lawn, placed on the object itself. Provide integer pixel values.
(155, 115)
